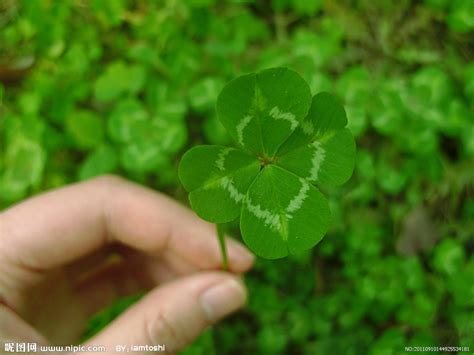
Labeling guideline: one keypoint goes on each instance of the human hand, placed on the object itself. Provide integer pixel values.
(56, 268)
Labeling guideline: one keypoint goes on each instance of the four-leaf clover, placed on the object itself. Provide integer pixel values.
(289, 144)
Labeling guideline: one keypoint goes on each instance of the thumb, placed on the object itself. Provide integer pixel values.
(174, 314)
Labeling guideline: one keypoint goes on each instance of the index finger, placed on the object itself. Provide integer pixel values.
(64, 225)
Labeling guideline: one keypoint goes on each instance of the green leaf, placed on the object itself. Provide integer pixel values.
(202, 95)
(328, 160)
(261, 110)
(142, 157)
(170, 136)
(217, 179)
(299, 142)
(449, 257)
(318, 48)
(354, 86)
(30, 103)
(389, 113)
(161, 100)
(124, 117)
(85, 128)
(26, 127)
(283, 214)
(461, 16)
(469, 82)
(23, 168)
(391, 180)
(215, 132)
(328, 114)
(325, 115)
(307, 7)
(110, 13)
(117, 79)
(101, 161)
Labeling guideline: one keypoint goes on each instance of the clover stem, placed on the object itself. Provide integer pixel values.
(221, 236)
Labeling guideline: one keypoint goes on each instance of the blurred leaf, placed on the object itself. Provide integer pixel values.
(469, 82)
(163, 101)
(307, 7)
(449, 257)
(117, 79)
(170, 136)
(23, 168)
(110, 13)
(461, 15)
(203, 94)
(101, 161)
(354, 85)
(204, 345)
(85, 128)
(215, 131)
(388, 114)
(122, 119)
(391, 180)
(320, 48)
(142, 157)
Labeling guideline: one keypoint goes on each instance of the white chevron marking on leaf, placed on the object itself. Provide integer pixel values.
(307, 127)
(267, 216)
(221, 158)
(297, 201)
(318, 157)
(240, 128)
(228, 184)
(287, 116)
(273, 219)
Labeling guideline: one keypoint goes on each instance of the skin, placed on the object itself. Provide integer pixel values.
(66, 254)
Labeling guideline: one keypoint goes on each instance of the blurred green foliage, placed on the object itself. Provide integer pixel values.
(93, 87)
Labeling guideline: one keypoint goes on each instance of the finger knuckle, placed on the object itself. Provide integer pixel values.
(161, 330)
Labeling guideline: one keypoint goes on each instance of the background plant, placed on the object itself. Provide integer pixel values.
(89, 87)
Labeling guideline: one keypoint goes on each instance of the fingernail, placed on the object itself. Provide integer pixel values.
(223, 299)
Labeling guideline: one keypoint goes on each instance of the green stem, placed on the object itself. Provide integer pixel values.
(221, 236)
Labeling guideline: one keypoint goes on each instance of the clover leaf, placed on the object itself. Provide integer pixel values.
(217, 178)
(290, 144)
(261, 110)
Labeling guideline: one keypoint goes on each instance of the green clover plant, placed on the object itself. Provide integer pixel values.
(289, 144)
